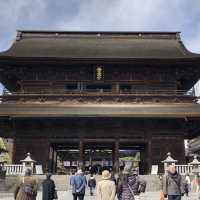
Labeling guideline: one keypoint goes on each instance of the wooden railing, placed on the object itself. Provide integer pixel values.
(103, 91)
(12, 169)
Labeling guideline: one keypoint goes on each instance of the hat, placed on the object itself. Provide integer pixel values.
(79, 171)
(106, 175)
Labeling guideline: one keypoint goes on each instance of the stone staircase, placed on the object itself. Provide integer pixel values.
(8, 184)
(62, 182)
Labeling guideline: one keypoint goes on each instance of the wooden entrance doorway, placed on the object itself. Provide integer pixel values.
(96, 154)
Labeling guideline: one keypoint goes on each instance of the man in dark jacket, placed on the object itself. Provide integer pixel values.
(173, 186)
(48, 189)
(91, 184)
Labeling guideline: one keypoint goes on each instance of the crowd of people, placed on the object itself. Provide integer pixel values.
(125, 185)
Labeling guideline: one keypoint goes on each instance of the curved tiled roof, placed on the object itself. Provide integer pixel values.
(98, 45)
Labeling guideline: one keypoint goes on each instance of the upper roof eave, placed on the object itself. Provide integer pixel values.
(46, 59)
(148, 45)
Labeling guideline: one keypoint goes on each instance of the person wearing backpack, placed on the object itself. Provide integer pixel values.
(91, 184)
(78, 185)
(173, 185)
(26, 187)
(130, 185)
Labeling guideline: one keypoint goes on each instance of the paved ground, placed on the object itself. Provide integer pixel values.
(67, 196)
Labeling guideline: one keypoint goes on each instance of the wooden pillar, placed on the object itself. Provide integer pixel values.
(81, 153)
(116, 155)
(54, 161)
(50, 167)
(149, 155)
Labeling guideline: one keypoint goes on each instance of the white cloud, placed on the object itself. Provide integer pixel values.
(116, 15)
(144, 15)
(1, 89)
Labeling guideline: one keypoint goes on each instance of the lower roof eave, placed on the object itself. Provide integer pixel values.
(133, 110)
(62, 60)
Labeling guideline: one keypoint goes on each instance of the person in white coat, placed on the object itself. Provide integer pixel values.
(106, 188)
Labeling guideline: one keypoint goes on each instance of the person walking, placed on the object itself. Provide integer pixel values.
(198, 185)
(198, 182)
(173, 186)
(106, 189)
(91, 184)
(130, 184)
(187, 185)
(26, 187)
(48, 189)
(78, 185)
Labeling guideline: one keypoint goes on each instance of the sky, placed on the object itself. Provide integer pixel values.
(101, 15)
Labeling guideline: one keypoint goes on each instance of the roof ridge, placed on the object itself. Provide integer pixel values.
(97, 31)
(98, 34)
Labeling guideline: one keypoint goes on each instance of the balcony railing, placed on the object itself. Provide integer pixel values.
(101, 96)
(105, 91)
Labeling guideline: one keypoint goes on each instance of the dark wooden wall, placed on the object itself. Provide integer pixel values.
(159, 136)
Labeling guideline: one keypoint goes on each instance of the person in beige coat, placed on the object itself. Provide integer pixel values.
(106, 189)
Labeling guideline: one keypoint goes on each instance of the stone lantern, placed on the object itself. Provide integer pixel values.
(168, 161)
(195, 166)
(28, 162)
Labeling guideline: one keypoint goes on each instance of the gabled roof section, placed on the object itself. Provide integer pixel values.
(98, 45)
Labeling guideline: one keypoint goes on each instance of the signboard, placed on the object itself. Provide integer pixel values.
(38, 169)
(154, 170)
(67, 164)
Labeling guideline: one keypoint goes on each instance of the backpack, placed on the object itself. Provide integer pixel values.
(28, 190)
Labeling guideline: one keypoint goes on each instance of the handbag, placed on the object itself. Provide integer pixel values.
(132, 193)
(28, 190)
(162, 196)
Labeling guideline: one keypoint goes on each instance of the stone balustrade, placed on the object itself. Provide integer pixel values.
(14, 169)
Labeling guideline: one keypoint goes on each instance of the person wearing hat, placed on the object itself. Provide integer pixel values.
(130, 184)
(78, 185)
(48, 188)
(106, 189)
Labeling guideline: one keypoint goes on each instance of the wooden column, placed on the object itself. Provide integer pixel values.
(149, 155)
(54, 161)
(50, 164)
(81, 153)
(116, 155)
